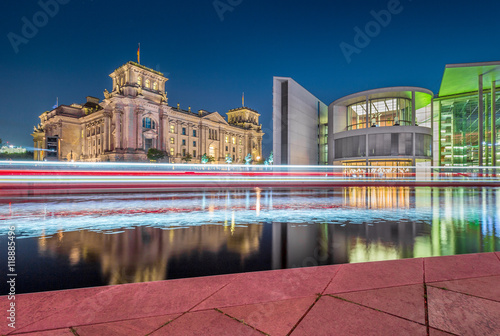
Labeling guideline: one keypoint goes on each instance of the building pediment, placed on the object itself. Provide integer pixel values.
(150, 134)
(215, 116)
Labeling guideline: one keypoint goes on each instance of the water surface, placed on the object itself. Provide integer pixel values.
(81, 241)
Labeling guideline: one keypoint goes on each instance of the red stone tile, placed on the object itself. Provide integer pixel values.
(485, 287)
(331, 316)
(258, 287)
(273, 318)
(137, 327)
(31, 308)
(405, 301)
(461, 267)
(206, 323)
(372, 275)
(58, 332)
(462, 314)
(435, 332)
(498, 255)
(130, 301)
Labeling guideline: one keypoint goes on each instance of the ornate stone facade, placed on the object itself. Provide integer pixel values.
(135, 116)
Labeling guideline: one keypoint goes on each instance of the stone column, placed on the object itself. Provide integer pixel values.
(138, 115)
(118, 129)
(189, 129)
(206, 140)
(178, 138)
(107, 131)
(85, 141)
(164, 133)
(222, 146)
(159, 139)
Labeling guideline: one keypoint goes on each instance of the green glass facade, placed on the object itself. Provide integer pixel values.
(459, 130)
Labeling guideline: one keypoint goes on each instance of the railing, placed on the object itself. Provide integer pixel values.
(383, 123)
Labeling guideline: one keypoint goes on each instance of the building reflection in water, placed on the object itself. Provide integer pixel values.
(455, 221)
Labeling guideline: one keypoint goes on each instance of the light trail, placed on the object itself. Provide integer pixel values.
(74, 177)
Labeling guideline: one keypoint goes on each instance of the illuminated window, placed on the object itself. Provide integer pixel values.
(155, 86)
(172, 141)
(241, 141)
(148, 123)
(241, 150)
(139, 81)
(379, 113)
(148, 83)
(234, 141)
(227, 139)
(172, 129)
(172, 151)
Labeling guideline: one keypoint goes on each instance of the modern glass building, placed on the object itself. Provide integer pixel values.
(396, 126)
(466, 114)
(382, 127)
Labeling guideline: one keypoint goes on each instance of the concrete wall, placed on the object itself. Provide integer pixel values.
(295, 123)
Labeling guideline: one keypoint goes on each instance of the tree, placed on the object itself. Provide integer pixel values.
(211, 159)
(188, 157)
(270, 160)
(248, 159)
(229, 159)
(155, 154)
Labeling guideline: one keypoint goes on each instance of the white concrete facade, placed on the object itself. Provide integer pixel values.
(297, 117)
(376, 135)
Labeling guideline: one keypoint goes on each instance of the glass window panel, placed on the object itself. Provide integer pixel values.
(395, 150)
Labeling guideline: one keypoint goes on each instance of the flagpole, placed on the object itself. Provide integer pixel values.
(139, 54)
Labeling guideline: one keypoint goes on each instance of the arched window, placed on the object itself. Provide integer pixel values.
(148, 123)
(155, 86)
(148, 83)
(139, 81)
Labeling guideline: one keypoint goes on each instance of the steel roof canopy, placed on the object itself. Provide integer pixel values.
(463, 78)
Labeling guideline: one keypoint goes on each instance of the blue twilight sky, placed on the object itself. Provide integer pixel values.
(211, 56)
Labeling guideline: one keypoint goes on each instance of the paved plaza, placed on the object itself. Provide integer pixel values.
(453, 295)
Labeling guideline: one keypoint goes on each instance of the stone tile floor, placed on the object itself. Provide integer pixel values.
(454, 295)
